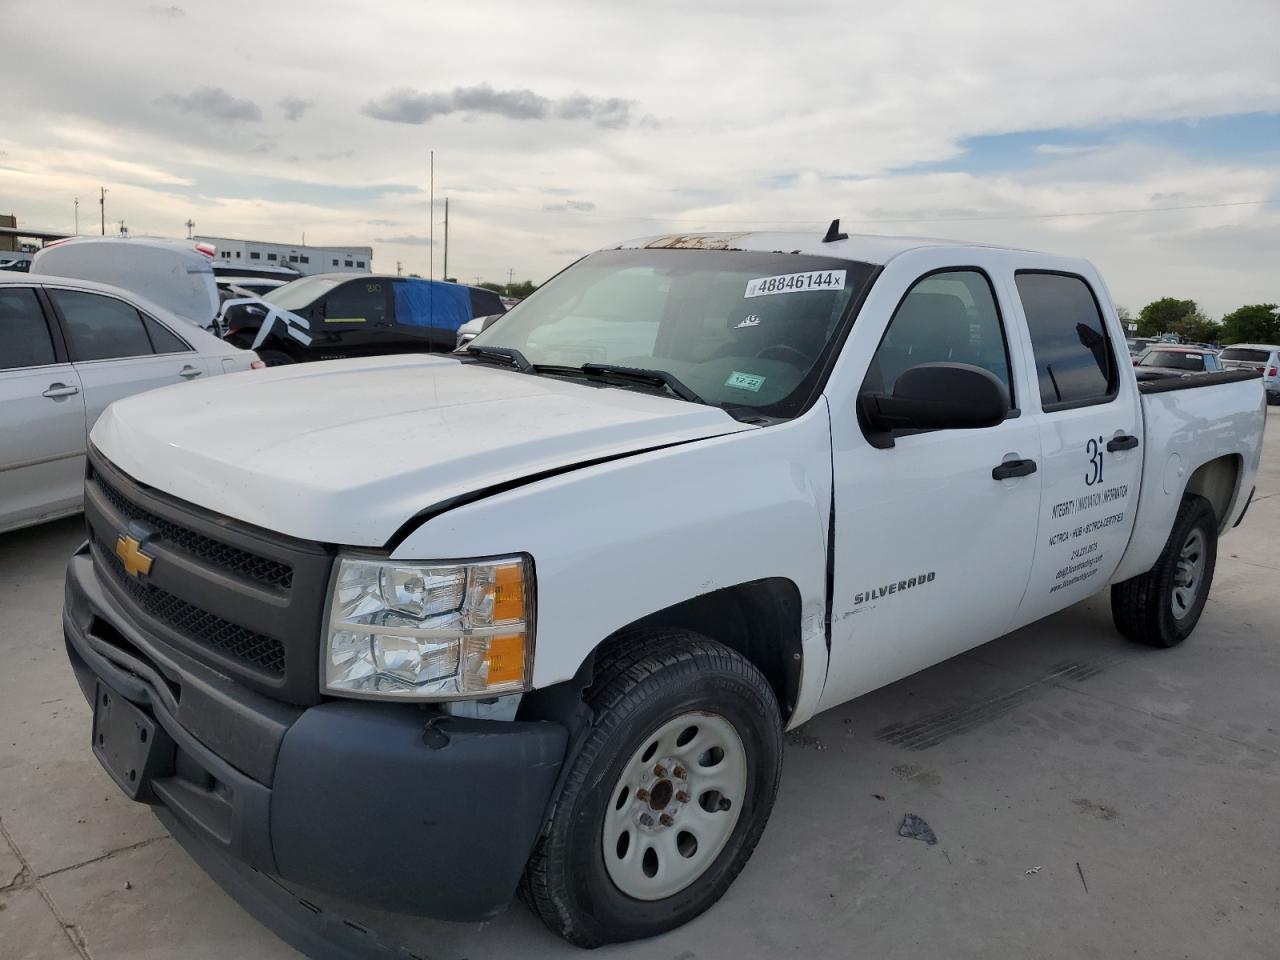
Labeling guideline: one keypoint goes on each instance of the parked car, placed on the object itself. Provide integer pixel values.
(1262, 357)
(542, 612)
(68, 348)
(175, 274)
(18, 263)
(1137, 345)
(238, 286)
(334, 315)
(1170, 360)
(473, 328)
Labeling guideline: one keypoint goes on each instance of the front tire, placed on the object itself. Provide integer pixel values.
(666, 800)
(1161, 607)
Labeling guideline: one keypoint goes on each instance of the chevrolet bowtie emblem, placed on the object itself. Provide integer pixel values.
(129, 550)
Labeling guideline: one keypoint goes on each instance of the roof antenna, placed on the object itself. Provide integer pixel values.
(833, 232)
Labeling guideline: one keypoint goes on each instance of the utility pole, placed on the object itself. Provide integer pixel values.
(510, 271)
(102, 209)
(399, 273)
(191, 226)
(77, 216)
(431, 220)
(446, 238)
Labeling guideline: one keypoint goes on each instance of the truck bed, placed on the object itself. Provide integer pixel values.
(1189, 422)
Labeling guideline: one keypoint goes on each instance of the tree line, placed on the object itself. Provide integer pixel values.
(1252, 323)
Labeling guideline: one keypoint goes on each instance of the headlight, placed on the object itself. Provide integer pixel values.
(422, 631)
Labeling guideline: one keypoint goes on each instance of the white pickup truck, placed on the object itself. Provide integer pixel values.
(412, 631)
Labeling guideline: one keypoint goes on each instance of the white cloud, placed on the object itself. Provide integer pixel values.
(748, 129)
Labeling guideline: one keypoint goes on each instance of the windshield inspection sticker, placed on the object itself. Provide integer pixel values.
(745, 381)
(795, 283)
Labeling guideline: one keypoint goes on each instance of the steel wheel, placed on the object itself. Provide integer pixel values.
(675, 806)
(1188, 574)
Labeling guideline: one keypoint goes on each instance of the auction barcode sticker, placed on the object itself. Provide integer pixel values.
(795, 283)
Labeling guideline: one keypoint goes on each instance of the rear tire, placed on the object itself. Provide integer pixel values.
(1162, 606)
(642, 840)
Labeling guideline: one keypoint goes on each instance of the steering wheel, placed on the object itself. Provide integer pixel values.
(789, 354)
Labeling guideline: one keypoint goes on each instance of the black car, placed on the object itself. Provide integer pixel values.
(332, 315)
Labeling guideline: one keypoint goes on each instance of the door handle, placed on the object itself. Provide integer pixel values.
(1013, 468)
(189, 372)
(1122, 442)
(57, 391)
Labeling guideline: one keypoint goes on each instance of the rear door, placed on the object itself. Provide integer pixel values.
(42, 419)
(118, 351)
(1090, 425)
(355, 319)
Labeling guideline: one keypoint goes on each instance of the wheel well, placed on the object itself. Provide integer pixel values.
(1216, 481)
(760, 619)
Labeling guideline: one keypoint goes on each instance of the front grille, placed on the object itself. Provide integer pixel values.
(190, 621)
(225, 557)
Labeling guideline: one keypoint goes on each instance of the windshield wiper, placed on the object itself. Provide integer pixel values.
(642, 375)
(512, 357)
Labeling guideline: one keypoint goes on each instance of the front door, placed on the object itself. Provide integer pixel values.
(931, 548)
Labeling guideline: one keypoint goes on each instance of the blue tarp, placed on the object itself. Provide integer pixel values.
(432, 303)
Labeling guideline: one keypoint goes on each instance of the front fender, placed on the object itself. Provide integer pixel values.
(614, 542)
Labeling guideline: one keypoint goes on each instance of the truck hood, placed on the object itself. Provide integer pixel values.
(347, 451)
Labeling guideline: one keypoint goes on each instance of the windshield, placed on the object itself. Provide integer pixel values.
(301, 293)
(1172, 358)
(739, 329)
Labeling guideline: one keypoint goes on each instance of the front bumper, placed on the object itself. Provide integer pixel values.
(394, 806)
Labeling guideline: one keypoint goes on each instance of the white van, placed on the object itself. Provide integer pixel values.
(174, 274)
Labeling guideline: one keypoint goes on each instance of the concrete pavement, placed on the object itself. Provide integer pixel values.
(1090, 799)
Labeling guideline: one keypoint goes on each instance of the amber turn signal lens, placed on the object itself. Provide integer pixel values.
(506, 659)
(508, 593)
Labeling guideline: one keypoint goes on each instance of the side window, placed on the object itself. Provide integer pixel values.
(950, 316)
(24, 336)
(1074, 363)
(101, 328)
(362, 301)
(163, 340)
(485, 302)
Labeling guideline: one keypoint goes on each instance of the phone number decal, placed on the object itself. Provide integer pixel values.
(795, 283)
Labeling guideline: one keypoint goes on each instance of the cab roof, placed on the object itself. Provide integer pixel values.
(866, 248)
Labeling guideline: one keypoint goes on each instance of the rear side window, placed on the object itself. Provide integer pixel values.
(163, 339)
(1074, 363)
(24, 336)
(101, 328)
(1245, 354)
(362, 301)
(485, 303)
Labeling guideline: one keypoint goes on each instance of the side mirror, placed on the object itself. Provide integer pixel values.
(935, 396)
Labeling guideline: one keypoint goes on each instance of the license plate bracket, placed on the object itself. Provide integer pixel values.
(130, 745)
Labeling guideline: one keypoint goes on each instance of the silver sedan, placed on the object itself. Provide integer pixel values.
(68, 348)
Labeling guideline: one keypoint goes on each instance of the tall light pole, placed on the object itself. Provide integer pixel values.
(431, 221)
(510, 272)
(446, 239)
(102, 209)
(77, 216)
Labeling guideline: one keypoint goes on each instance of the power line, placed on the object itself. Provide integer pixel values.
(961, 219)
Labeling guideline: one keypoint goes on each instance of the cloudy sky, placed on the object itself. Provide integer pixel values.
(561, 127)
